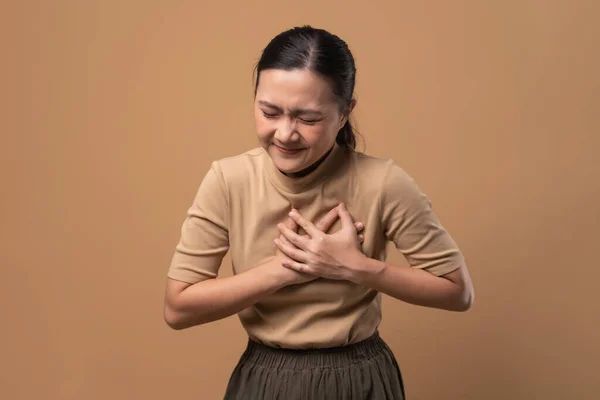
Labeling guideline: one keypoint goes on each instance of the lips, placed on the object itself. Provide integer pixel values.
(286, 150)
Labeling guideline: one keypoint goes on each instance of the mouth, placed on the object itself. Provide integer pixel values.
(288, 151)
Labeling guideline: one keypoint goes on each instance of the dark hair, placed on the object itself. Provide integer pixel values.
(320, 52)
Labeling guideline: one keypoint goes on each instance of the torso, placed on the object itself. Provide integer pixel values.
(321, 313)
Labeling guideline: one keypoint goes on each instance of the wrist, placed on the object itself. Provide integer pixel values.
(366, 269)
(274, 273)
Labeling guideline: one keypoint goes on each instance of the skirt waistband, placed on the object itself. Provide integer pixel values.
(279, 358)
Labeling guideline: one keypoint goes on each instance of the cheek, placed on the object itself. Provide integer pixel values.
(319, 135)
(264, 128)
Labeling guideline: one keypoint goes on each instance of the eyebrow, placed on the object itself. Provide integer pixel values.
(294, 111)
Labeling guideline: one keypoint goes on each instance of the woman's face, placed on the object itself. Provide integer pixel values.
(296, 116)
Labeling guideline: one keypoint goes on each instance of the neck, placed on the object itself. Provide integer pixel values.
(308, 169)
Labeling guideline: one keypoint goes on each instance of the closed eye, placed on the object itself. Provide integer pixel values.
(303, 120)
(309, 121)
(269, 115)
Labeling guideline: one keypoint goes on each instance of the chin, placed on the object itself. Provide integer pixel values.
(287, 164)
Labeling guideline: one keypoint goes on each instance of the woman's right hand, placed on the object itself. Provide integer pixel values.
(291, 277)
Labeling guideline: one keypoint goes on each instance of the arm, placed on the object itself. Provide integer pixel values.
(452, 291)
(193, 293)
(445, 284)
(188, 305)
(438, 276)
(211, 298)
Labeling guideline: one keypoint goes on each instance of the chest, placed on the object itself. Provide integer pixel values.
(255, 214)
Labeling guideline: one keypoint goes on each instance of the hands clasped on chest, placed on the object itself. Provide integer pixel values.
(318, 254)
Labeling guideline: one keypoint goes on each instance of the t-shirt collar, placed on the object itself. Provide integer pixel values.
(299, 184)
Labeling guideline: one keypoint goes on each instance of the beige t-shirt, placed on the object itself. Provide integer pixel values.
(242, 198)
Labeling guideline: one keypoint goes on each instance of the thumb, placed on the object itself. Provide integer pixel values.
(347, 221)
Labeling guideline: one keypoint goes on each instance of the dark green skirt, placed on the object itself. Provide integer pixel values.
(365, 370)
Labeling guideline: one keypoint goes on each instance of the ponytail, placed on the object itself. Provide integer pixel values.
(346, 136)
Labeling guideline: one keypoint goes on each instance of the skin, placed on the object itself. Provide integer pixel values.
(297, 119)
(296, 110)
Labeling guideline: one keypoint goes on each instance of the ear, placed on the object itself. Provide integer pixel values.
(346, 114)
(351, 106)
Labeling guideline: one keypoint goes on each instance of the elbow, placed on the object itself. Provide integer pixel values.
(178, 319)
(175, 319)
(175, 312)
(464, 305)
(172, 318)
(462, 293)
(464, 302)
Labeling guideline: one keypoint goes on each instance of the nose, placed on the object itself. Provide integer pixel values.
(286, 131)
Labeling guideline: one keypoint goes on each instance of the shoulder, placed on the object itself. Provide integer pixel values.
(239, 168)
(378, 170)
(385, 176)
(369, 164)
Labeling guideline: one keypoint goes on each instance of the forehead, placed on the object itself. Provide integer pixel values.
(295, 88)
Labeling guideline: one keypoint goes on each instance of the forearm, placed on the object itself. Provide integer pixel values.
(414, 286)
(216, 299)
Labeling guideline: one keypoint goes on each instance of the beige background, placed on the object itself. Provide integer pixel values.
(112, 111)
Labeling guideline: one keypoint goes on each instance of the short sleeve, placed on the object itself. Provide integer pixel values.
(410, 223)
(204, 239)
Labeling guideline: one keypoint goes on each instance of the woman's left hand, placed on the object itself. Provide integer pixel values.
(337, 256)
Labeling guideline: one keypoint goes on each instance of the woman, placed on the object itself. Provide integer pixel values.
(307, 278)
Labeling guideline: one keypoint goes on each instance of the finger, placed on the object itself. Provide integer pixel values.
(298, 267)
(359, 226)
(327, 221)
(346, 218)
(361, 238)
(284, 240)
(291, 251)
(291, 224)
(293, 237)
(305, 224)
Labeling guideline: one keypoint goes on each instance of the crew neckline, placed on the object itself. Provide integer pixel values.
(298, 184)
